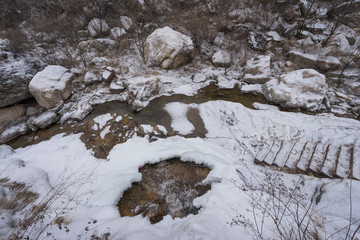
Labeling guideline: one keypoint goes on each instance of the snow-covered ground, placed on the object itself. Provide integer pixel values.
(83, 191)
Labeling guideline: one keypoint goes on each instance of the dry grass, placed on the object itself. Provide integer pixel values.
(19, 197)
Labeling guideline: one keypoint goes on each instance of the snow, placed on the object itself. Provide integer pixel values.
(179, 122)
(252, 88)
(234, 134)
(147, 128)
(261, 106)
(221, 59)
(52, 77)
(102, 120)
(162, 129)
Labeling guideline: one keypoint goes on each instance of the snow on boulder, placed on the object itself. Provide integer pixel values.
(304, 88)
(15, 74)
(51, 86)
(91, 78)
(258, 70)
(77, 111)
(305, 60)
(167, 48)
(221, 59)
(97, 27)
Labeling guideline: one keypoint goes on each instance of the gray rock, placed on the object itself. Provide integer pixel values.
(15, 75)
(9, 115)
(323, 64)
(43, 120)
(5, 151)
(76, 111)
(13, 132)
(257, 41)
(102, 44)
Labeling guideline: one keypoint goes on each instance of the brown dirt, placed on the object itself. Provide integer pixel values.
(167, 188)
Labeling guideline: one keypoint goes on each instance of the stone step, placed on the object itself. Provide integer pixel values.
(306, 156)
(270, 157)
(283, 153)
(329, 166)
(356, 161)
(260, 156)
(322, 158)
(343, 162)
(318, 157)
(295, 154)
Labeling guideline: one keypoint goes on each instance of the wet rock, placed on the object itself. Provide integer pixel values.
(257, 41)
(31, 111)
(9, 115)
(42, 121)
(13, 132)
(76, 111)
(97, 27)
(167, 188)
(258, 70)
(15, 75)
(305, 88)
(221, 59)
(51, 86)
(167, 48)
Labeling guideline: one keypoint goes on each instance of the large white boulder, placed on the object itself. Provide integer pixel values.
(167, 48)
(304, 88)
(51, 86)
(97, 27)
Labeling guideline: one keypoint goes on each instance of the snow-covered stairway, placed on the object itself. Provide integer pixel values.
(315, 156)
